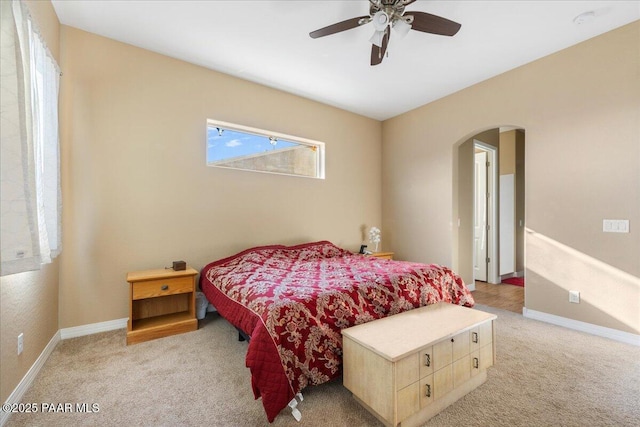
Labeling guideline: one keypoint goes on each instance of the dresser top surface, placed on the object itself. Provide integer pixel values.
(159, 273)
(396, 336)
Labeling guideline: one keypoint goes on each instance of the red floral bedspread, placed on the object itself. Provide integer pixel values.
(293, 301)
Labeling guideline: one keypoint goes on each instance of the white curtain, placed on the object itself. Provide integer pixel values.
(30, 200)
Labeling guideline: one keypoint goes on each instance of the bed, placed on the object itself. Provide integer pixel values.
(292, 301)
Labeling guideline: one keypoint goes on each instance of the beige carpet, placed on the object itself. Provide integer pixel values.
(544, 376)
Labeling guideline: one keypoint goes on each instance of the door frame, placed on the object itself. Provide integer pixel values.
(492, 210)
(480, 212)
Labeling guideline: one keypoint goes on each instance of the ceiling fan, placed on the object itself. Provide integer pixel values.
(386, 14)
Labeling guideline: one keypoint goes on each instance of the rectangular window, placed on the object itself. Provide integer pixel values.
(240, 147)
(30, 218)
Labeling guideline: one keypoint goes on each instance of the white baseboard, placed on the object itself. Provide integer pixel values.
(472, 286)
(601, 331)
(27, 380)
(93, 328)
(62, 334)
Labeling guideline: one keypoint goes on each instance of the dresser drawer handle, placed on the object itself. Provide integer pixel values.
(165, 287)
(427, 359)
(427, 390)
(474, 337)
(476, 363)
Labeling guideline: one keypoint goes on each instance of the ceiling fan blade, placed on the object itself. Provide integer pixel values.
(340, 26)
(377, 53)
(428, 23)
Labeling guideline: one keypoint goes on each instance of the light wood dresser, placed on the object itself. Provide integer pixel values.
(408, 367)
(161, 303)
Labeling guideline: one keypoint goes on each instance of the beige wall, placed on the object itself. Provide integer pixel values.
(580, 110)
(139, 194)
(29, 301)
(507, 153)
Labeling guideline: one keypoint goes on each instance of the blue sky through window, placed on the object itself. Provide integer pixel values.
(231, 144)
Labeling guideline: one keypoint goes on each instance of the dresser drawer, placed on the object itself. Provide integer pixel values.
(161, 287)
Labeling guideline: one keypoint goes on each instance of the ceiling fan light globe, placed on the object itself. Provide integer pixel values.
(380, 20)
(377, 38)
(401, 27)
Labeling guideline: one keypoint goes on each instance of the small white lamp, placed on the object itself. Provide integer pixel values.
(401, 27)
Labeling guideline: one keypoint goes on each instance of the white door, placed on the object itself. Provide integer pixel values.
(480, 218)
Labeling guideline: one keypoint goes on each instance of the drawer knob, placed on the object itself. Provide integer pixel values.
(427, 359)
(474, 337)
(165, 287)
(475, 363)
(428, 390)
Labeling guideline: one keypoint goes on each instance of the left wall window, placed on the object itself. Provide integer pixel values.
(30, 199)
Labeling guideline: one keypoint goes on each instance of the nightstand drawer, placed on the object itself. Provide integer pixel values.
(161, 287)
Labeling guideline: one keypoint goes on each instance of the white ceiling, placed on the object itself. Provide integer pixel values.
(268, 42)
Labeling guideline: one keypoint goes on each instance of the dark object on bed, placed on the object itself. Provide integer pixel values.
(293, 301)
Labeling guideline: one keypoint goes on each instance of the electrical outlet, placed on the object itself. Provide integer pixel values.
(20, 343)
(574, 297)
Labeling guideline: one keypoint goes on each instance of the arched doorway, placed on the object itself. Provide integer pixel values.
(503, 233)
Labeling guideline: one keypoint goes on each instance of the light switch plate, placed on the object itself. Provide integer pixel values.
(615, 225)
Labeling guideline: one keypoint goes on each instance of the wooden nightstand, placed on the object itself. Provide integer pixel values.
(384, 255)
(161, 303)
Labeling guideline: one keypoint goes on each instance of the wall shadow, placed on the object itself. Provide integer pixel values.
(553, 269)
